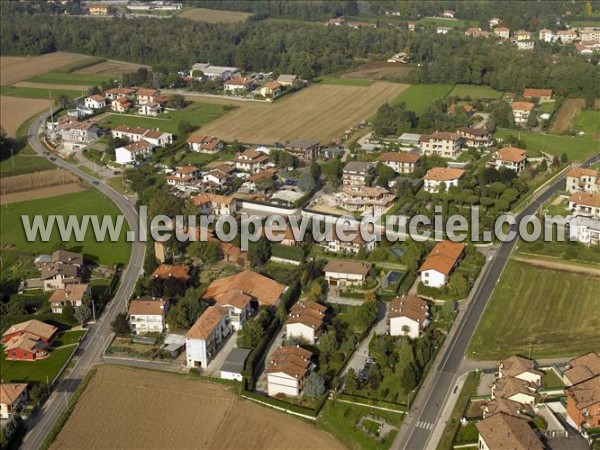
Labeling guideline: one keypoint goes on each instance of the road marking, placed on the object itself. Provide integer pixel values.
(424, 425)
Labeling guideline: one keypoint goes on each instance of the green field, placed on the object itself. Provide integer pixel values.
(589, 122)
(36, 371)
(69, 78)
(419, 97)
(198, 114)
(441, 22)
(25, 161)
(90, 202)
(474, 91)
(547, 107)
(68, 337)
(577, 149)
(552, 313)
(344, 81)
(28, 92)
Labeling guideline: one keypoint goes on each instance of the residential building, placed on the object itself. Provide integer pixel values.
(368, 200)
(214, 204)
(59, 276)
(206, 337)
(521, 111)
(115, 93)
(521, 368)
(469, 110)
(408, 316)
(409, 140)
(150, 109)
(75, 134)
(134, 134)
(585, 204)
(179, 272)
(440, 262)
(443, 30)
(525, 45)
(353, 246)
(202, 70)
(544, 95)
(585, 230)
(72, 295)
(356, 173)
(546, 35)
(583, 180)
(582, 368)
(494, 22)
(95, 102)
(13, 398)
(511, 158)
(400, 162)
(523, 35)
(183, 176)
(252, 160)
(476, 32)
(238, 84)
(303, 150)
(566, 36)
(444, 144)
(98, 9)
(515, 389)
(476, 137)
(217, 178)
(589, 34)
(346, 273)
(434, 178)
(147, 315)
(411, 26)
(502, 32)
(134, 152)
(503, 431)
(204, 143)
(288, 80)
(145, 96)
(28, 341)
(449, 13)
(271, 89)
(305, 321)
(233, 366)
(583, 404)
(121, 105)
(287, 370)
(506, 406)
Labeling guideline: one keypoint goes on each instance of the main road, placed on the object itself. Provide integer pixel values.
(90, 352)
(417, 430)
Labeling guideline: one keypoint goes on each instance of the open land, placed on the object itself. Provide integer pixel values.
(553, 317)
(321, 112)
(475, 92)
(419, 97)
(45, 192)
(565, 116)
(145, 409)
(33, 90)
(14, 111)
(17, 68)
(109, 69)
(214, 15)
(68, 78)
(378, 71)
(589, 122)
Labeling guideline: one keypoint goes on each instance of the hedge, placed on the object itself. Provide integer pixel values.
(287, 252)
(282, 404)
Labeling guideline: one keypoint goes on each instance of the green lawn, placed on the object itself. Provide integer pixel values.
(551, 380)
(442, 22)
(344, 81)
(547, 107)
(577, 149)
(69, 78)
(198, 114)
(90, 202)
(29, 92)
(475, 91)
(35, 371)
(552, 313)
(589, 122)
(68, 337)
(565, 251)
(419, 97)
(24, 162)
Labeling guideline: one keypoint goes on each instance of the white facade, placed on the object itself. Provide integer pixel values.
(447, 148)
(95, 103)
(199, 352)
(433, 186)
(147, 323)
(585, 230)
(433, 278)
(583, 182)
(397, 325)
(344, 279)
(300, 331)
(281, 383)
(123, 155)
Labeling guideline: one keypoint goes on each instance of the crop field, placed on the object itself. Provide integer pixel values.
(14, 111)
(321, 112)
(147, 409)
(109, 69)
(36, 92)
(16, 68)
(379, 71)
(589, 122)
(564, 117)
(60, 78)
(475, 91)
(345, 81)
(419, 97)
(214, 15)
(555, 316)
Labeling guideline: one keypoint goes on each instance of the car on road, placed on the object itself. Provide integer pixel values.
(52, 158)
(95, 183)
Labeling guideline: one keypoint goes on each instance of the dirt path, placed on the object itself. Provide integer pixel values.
(559, 265)
(565, 116)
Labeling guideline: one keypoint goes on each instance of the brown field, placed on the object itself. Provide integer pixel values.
(565, 116)
(132, 408)
(378, 71)
(14, 111)
(34, 194)
(16, 68)
(47, 178)
(111, 68)
(214, 15)
(321, 112)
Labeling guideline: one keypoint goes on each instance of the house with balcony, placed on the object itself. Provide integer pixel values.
(217, 178)
(183, 176)
(476, 137)
(95, 102)
(512, 158)
(521, 368)
(215, 204)
(346, 273)
(287, 369)
(147, 315)
(13, 399)
(251, 161)
(368, 200)
(305, 321)
(585, 204)
(72, 295)
(204, 144)
(521, 112)
(304, 150)
(238, 84)
(444, 144)
(206, 337)
(28, 341)
(435, 177)
(135, 134)
(400, 162)
(353, 245)
(583, 180)
(356, 173)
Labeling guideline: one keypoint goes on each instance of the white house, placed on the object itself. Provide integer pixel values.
(585, 230)
(502, 32)
(521, 111)
(336, 245)
(204, 340)
(133, 152)
(287, 370)
(408, 316)
(71, 295)
(305, 321)
(443, 30)
(147, 315)
(447, 145)
(585, 204)
(521, 368)
(355, 173)
(150, 109)
(204, 144)
(217, 178)
(346, 273)
(512, 158)
(134, 134)
(400, 162)
(546, 35)
(238, 84)
(440, 262)
(13, 397)
(95, 102)
(183, 176)
(437, 175)
(218, 205)
(515, 389)
(252, 160)
(583, 180)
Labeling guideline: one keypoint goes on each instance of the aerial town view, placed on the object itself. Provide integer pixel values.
(300, 224)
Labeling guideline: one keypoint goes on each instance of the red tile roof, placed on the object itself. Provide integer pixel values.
(443, 257)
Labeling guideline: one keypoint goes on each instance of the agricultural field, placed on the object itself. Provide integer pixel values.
(344, 81)
(15, 110)
(214, 15)
(40, 92)
(554, 317)
(193, 414)
(564, 117)
(17, 68)
(443, 22)
(321, 112)
(112, 69)
(378, 71)
(91, 202)
(61, 78)
(37, 371)
(419, 97)
(475, 92)
(589, 122)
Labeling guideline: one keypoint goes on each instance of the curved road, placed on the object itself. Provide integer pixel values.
(90, 351)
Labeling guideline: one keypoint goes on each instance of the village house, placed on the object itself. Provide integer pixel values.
(566, 36)
(515, 389)
(523, 35)
(436, 176)
(271, 89)
(134, 152)
(440, 262)
(251, 161)
(546, 35)
(150, 109)
(521, 111)
(583, 404)
(183, 176)
(589, 34)
(582, 368)
(544, 95)
(305, 321)
(408, 316)
(444, 144)
(72, 295)
(583, 180)
(476, 32)
(585, 204)
(147, 315)
(115, 93)
(201, 70)
(502, 32)
(288, 80)
(346, 273)
(585, 230)
(506, 406)
(214, 204)
(411, 26)
(476, 137)
(98, 9)
(121, 105)
(217, 178)
(95, 102)
(521, 368)
(75, 134)
(305, 151)
(287, 370)
(179, 272)
(335, 244)
(28, 341)
(254, 180)
(13, 398)
(206, 337)
(400, 162)
(134, 134)
(145, 96)
(503, 431)
(204, 144)
(238, 84)
(449, 13)
(59, 276)
(356, 173)
(511, 158)
(369, 200)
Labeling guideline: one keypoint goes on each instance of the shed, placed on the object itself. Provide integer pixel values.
(233, 366)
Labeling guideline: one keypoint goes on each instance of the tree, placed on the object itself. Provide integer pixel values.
(177, 101)
(120, 326)
(458, 286)
(184, 313)
(564, 158)
(314, 385)
(209, 251)
(67, 312)
(252, 334)
(315, 292)
(306, 182)
(185, 127)
(410, 376)
(385, 174)
(82, 313)
(63, 101)
(260, 253)
(327, 346)
(543, 166)
(350, 382)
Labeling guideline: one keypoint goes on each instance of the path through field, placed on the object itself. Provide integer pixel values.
(565, 116)
(559, 265)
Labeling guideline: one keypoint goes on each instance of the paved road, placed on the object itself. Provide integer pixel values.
(417, 430)
(89, 354)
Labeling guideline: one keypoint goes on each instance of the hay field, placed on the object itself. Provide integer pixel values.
(109, 68)
(16, 68)
(564, 117)
(214, 15)
(14, 111)
(321, 112)
(145, 409)
(378, 71)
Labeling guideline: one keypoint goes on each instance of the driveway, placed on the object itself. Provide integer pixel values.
(214, 367)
